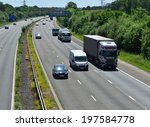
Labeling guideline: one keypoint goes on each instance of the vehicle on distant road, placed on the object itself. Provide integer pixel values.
(44, 23)
(101, 50)
(55, 31)
(14, 23)
(37, 24)
(64, 35)
(60, 71)
(6, 27)
(51, 18)
(38, 36)
(78, 60)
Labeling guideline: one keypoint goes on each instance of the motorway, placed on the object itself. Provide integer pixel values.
(8, 45)
(95, 89)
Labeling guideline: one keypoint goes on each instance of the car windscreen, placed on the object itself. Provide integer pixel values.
(59, 68)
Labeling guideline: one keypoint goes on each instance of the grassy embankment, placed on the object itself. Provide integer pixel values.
(18, 75)
(48, 97)
(18, 83)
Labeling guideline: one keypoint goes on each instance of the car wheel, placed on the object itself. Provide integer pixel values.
(66, 76)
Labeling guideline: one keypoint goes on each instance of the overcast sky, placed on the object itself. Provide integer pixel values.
(55, 3)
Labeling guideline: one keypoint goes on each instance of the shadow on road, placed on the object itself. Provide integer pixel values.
(102, 68)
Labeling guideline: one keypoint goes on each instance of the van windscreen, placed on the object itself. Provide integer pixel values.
(80, 58)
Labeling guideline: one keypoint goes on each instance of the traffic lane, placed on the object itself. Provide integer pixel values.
(107, 77)
(127, 85)
(131, 92)
(79, 81)
(9, 39)
(6, 69)
(68, 91)
(134, 71)
(131, 87)
(104, 92)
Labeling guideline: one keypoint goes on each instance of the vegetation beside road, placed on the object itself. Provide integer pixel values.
(128, 25)
(47, 94)
(136, 60)
(17, 103)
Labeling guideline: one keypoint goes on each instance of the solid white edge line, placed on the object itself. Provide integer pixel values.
(134, 78)
(93, 97)
(95, 70)
(132, 98)
(50, 85)
(14, 76)
(69, 70)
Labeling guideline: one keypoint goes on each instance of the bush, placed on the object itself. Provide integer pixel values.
(146, 43)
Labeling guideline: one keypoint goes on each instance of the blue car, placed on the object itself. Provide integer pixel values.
(60, 71)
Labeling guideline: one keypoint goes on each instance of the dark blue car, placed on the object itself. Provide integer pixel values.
(60, 71)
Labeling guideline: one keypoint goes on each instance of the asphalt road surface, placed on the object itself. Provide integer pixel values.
(8, 43)
(94, 89)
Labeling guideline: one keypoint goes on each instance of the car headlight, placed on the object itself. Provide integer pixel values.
(56, 72)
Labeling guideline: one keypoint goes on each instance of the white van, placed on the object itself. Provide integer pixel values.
(78, 60)
(64, 35)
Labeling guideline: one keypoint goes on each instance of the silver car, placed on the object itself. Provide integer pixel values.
(38, 36)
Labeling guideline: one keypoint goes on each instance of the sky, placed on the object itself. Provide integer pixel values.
(54, 3)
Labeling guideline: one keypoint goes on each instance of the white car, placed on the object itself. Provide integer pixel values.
(37, 24)
(38, 36)
(44, 23)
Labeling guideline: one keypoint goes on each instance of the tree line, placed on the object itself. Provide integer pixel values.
(131, 31)
(22, 12)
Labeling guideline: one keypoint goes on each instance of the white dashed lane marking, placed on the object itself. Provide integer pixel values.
(132, 98)
(79, 82)
(109, 81)
(93, 97)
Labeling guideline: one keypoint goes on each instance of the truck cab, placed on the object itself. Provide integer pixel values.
(108, 54)
(78, 60)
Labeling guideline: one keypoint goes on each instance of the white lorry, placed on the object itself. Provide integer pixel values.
(101, 50)
(78, 60)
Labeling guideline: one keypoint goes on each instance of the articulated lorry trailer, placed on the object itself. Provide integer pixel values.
(101, 50)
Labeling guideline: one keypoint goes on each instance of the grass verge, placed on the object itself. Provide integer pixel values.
(18, 75)
(47, 94)
(136, 60)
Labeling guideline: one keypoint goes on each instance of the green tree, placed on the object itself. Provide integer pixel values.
(146, 43)
(71, 5)
(2, 7)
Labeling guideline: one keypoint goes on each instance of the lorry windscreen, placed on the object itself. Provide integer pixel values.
(80, 58)
(109, 53)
